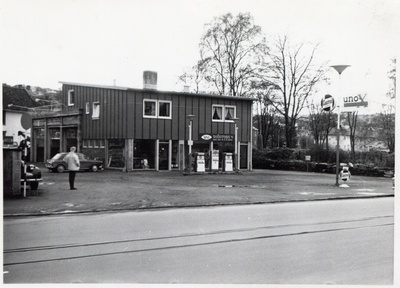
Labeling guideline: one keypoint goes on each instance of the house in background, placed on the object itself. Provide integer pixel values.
(16, 102)
(371, 141)
(145, 128)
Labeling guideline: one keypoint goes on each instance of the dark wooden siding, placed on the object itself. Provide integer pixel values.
(121, 114)
(113, 120)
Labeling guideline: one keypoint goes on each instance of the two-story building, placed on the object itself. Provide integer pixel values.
(145, 128)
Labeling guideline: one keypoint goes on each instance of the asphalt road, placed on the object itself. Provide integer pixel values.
(323, 242)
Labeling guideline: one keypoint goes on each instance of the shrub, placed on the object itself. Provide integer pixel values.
(373, 163)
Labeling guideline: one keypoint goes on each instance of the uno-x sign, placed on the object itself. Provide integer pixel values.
(354, 102)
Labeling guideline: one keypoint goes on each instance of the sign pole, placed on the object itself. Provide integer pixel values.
(26, 123)
(25, 156)
(190, 146)
(337, 144)
(190, 142)
(236, 143)
(339, 69)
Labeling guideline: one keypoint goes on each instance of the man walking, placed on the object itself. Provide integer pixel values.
(73, 164)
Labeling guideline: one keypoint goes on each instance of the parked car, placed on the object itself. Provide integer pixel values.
(32, 177)
(57, 163)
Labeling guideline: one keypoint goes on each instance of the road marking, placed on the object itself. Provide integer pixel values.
(314, 193)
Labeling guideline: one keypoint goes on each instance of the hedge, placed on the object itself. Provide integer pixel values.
(293, 160)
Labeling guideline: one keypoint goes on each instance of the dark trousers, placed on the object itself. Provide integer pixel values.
(71, 179)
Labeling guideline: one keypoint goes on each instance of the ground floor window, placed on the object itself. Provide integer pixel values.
(224, 147)
(116, 157)
(39, 144)
(144, 154)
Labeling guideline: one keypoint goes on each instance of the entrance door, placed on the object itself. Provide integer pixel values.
(163, 156)
(70, 138)
(54, 141)
(243, 156)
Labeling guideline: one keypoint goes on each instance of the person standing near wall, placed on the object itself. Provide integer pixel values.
(73, 164)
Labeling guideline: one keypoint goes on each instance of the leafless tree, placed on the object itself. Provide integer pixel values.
(352, 122)
(265, 114)
(291, 70)
(321, 123)
(230, 50)
(392, 76)
(386, 119)
(193, 77)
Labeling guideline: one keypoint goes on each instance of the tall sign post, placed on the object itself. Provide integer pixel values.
(236, 120)
(190, 141)
(339, 69)
(26, 123)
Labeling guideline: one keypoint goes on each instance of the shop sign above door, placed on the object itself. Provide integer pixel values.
(217, 137)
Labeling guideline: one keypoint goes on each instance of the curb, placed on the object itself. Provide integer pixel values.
(140, 209)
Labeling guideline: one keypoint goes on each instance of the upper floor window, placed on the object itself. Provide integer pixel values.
(217, 114)
(87, 108)
(149, 108)
(221, 113)
(71, 97)
(157, 109)
(96, 110)
(164, 109)
(230, 113)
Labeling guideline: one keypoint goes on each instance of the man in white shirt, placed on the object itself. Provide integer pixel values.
(73, 164)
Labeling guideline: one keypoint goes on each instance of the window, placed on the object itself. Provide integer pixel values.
(222, 113)
(164, 109)
(149, 108)
(87, 108)
(96, 110)
(157, 109)
(71, 97)
(230, 113)
(217, 113)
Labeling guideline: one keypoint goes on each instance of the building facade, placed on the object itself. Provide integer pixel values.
(145, 128)
(16, 103)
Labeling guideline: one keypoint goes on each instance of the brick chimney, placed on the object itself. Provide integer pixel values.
(150, 80)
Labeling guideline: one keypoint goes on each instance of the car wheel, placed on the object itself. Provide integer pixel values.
(60, 168)
(34, 185)
(94, 168)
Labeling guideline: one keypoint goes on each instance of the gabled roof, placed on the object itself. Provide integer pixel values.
(18, 97)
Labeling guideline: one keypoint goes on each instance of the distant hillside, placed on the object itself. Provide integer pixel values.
(46, 94)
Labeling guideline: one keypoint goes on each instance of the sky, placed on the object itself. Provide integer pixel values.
(113, 41)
